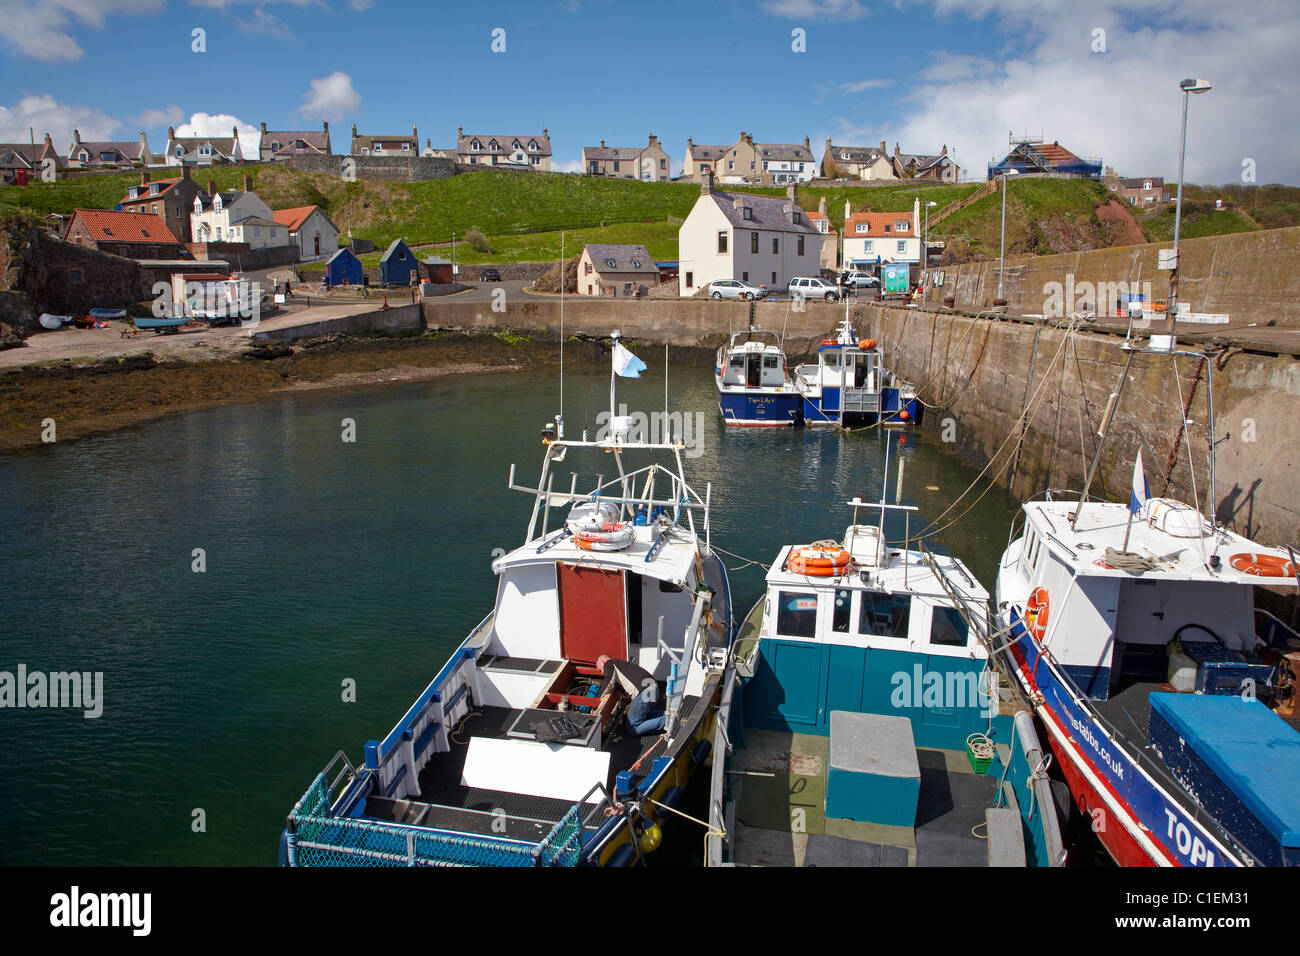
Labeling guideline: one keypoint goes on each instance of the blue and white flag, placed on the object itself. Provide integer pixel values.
(1138, 496)
(625, 363)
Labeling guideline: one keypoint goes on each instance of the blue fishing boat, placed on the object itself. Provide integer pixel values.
(864, 722)
(1167, 695)
(754, 387)
(542, 740)
(850, 386)
(156, 325)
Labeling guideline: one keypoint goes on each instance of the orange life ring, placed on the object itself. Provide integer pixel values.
(610, 537)
(818, 562)
(868, 345)
(1264, 565)
(1036, 613)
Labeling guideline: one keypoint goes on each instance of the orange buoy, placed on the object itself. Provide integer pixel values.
(1036, 613)
(1263, 565)
(815, 561)
(903, 415)
(869, 344)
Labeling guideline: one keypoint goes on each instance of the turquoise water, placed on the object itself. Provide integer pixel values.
(326, 562)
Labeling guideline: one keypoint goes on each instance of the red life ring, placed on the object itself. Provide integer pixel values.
(1263, 565)
(818, 562)
(1036, 613)
(610, 537)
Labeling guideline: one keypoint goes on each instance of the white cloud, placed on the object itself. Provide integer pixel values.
(168, 116)
(221, 124)
(331, 97)
(567, 166)
(47, 115)
(265, 24)
(360, 5)
(817, 9)
(1122, 105)
(41, 29)
(862, 85)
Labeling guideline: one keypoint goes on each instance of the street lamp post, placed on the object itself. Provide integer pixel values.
(1002, 254)
(1188, 86)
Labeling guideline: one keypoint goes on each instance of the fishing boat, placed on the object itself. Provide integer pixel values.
(754, 387)
(862, 722)
(1166, 694)
(528, 748)
(153, 324)
(849, 385)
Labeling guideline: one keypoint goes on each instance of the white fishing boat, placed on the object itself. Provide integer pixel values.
(754, 386)
(849, 386)
(564, 728)
(1165, 692)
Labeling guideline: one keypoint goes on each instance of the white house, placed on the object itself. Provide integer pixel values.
(310, 230)
(766, 240)
(875, 238)
(203, 150)
(236, 216)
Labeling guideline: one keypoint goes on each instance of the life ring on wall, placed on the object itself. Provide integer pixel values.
(815, 561)
(610, 537)
(1036, 613)
(1263, 565)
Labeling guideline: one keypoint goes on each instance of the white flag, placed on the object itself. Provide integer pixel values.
(625, 363)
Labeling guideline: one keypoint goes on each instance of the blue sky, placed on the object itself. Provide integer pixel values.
(923, 74)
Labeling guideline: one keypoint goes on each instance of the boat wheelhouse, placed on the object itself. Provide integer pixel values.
(863, 723)
(520, 751)
(1165, 692)
(754, 387)
(850, 386)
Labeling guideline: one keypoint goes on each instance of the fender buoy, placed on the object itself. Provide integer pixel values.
(904, 415)
(818, 562)
(1263, 565)
(1036, 613)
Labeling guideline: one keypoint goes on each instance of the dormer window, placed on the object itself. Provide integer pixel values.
(610, 263)
(532, 145)
(216, 202)
(636, 263)
(180, 150)
(155, 189)
(494, 146)
(83, 156)
(748, 213)
(135, 191)
(515, 145)
(902, 226)
(863, 228)
(475, 145)
(797, 219)
(275, 145)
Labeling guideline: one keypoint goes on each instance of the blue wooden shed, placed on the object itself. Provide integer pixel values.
(397, 263)
(343, 267)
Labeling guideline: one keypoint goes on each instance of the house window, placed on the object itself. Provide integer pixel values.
(862, 228)
(730, 165)
(744, 276)
(753, 242)
(800, 245)
(869, 245)
(775, 246)
(587, 271)
(902, 246)
(406, 147)
(257, 232)
(773, 278)
(902, 226)
(690, 279)
(722, 242)
(475, 145)
(663, 164)
(275, 146)
(616, 165)
(748, 213)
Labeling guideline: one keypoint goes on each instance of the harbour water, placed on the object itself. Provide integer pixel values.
(329, 564)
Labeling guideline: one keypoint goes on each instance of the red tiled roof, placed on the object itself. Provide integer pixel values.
(877, 221)
(815, 215)
(1055, 153)
(109, 225)
(295, 217)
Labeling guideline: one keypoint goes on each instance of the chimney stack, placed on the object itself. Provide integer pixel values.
(326, 124)
(263, 129)
(806, 144)
(895, 147)
(944, 151)
(354, 130)
(143, 181)
(460, 131)
(882, 147)
(602, 144)
(248, 183)
(706, 181)
(212, 187)
(792, 193)
(654, 140)
(185, 170)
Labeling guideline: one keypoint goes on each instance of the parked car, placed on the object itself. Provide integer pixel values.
(810, 287)
(853, 279)
(490, 275)
(736, 289)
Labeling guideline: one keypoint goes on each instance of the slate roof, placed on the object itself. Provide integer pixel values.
(622, 256)
(505, 144)
(108, 225)
(857, 155)
(784, 152)
(612, 152)
(1157, 182)
(28, 153)
(768, 212)
(145, 191)
(131, 151)
(314, 142)
(702, 153)
(228, 198)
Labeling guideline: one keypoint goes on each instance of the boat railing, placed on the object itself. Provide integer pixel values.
(315, 836)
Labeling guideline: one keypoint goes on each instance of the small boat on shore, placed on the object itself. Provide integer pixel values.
(863, 725)
(156, 325)
(542, 740)
(754, 387)
(850, 386)
(53, 322)
(104, 315)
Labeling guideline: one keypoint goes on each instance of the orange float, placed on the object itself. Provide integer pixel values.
(1036, 613)
(816, 561)
(1263, 565)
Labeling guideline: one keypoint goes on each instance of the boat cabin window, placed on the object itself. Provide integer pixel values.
(884, 615)
(948, 628)
(737, 361)
(667, 587)
(833, 360)
(796, 614)
(840, 614)
(770, 361)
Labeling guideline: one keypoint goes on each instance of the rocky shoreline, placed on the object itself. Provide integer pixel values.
(90, 397)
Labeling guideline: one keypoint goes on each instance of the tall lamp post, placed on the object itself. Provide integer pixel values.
(1188, 86)
(1002, 254)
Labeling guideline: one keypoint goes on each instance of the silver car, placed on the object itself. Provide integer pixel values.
(810, 287)
(735, 289)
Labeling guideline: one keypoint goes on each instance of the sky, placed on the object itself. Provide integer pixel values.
(1098, 76)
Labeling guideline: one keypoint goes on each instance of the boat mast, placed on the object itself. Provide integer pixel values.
(559, 419)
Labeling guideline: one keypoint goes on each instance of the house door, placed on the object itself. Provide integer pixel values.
(593, 613)
(317, 252)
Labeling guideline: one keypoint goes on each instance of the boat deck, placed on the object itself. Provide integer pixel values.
(780, 792)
